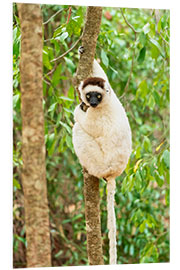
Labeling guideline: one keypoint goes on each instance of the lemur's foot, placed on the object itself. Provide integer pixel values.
(81, 50)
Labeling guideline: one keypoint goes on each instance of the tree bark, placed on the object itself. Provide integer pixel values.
(38, 253)
(89, 39)
(91, 183)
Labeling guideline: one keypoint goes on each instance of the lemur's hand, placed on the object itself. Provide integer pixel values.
(84, 107)
(81, 50)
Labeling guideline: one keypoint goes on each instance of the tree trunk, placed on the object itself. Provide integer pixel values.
(38, 252)
(91, 183)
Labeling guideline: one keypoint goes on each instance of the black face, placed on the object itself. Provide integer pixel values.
(94, 98)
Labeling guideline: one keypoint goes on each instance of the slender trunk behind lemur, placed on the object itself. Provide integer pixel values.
(91, 184)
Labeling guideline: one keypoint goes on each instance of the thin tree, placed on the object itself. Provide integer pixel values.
(91, 183)
(33, 145)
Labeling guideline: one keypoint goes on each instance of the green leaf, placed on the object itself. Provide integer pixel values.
(142, 226)
(164, 21)
(75, 18)
(62, 37)
(167, 197)
(131, 250)
(151, 102)
(152, 30)
(124, 185)
(58, 254)
(69, 143)
(159, 25)
(52, 107)
(154, 52)
(138, 152)
(68, 111)
(66, 127)
(46, 61)
(77, 217)
(50, 140)
(16, 41)
(131, 182)
(21, 239)
(141, 56)
(166, 158)
(104, 58)
(16, 98)
(66, 98)
(58, 31)
(149, 253)
(142, 89)
(159, 179)
(147, 144)
(143, 38)
(157, 45)
(71, 66)
(62, 146)
(146, 28)
(156, 97)
(151, 220)
(56, 75)
(16, 184)
(138, 181)
(126, 247)
(75, 23)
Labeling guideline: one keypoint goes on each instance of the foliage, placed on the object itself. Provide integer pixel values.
(136, 57)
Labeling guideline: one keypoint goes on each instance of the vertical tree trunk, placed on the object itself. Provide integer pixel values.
(93, 221)
(33, 145)
(91, 183)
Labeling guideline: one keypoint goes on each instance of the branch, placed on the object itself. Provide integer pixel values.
(59, 11)
(133, 56)
(69, 15)
(61, 56)
(135, 32)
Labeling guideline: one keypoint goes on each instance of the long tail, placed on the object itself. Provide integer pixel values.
(111, 186)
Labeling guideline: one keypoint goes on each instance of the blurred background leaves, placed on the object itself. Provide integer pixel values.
(136, 60)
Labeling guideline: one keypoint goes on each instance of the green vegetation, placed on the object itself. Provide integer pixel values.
(133, 47)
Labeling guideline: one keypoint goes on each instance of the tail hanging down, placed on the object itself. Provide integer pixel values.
(111, 186)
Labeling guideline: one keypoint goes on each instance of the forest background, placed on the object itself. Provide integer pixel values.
(133, 47)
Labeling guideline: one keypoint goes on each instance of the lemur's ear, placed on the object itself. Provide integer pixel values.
(107, 87)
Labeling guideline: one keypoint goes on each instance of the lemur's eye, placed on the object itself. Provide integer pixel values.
(88, 96)
(99, 96)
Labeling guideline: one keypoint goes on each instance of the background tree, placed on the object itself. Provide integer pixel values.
(33, 147)
(142, 192)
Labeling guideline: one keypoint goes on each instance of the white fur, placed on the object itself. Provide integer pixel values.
(102, 142)
(102, 136)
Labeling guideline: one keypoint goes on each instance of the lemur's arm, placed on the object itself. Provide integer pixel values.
(82, 118)
(80, 115)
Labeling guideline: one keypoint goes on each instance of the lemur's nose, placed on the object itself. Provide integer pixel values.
(93, 104)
